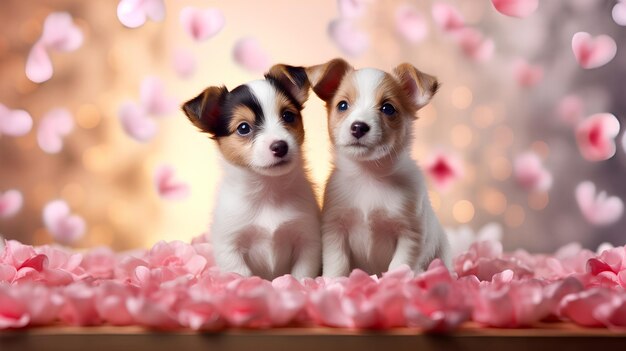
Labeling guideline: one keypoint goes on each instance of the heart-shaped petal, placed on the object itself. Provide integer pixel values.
(352, 8)
(38, 64)
(348, 37)
(249, 54)
(443, 169)
(201, 24)
(167, 186)
(527, 75)
(516, 8)
(60, 33)
(530, 173)
(183, 62)
(410, 24)
(619, 13)
(14, 122)
(598, 209)
(63, 226)
(571, 109)
(136, 123)
(593, 52)
(596, 136)
(54, 126)
(474, 44)
(133, 13)
(153, 98)
(10, 203)
(447, 17)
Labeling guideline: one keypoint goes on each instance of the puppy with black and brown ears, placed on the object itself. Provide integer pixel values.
(376, 213)
(266, 220)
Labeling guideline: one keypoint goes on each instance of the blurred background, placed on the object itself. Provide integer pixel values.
(490, 110)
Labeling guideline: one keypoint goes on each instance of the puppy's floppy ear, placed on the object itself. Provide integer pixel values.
(419, 86)
(205, 109)
(293, 79)
(326, 78)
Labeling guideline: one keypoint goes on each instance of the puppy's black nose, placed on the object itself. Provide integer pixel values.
(279, 148)
(359, 129)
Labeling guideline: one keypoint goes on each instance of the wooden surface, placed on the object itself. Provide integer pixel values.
(470, 337)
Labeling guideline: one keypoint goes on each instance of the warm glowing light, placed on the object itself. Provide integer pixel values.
(435, 200)
(461, 97)
(427, 115)
(99, 235)
(493, 201)
(514, 216)
(503, 136)
(41, 237)
(538, 201)
(541, 148)
(88, 116)
(74, 194)
(461, 136)
(483, 116)
(96, 158)
(500, 168)
(463, 211)
(41, 194)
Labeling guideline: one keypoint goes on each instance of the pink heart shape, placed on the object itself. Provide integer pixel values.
(167, 186)
(443, 169)
(136, 123)
(410, 24)
(14, 122)
(596, 136)
(619, 13)
(352, 8)
(201, 24)
(348, 37)
(474, 44)
(134, 13)
(54, 126)
(63, 226)
(516, 8)
(249, 54)
(527, 75)
(593, 52)
(447, 17)
(60, 33)
(10, 203)
(530, 173)
(153, 98)
(598, 209)
(571, 109)
(38, 64)
(183, 62)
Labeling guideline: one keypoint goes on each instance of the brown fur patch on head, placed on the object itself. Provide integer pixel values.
(327, 77)
(346, 91)
(237, 149)
(296, 128)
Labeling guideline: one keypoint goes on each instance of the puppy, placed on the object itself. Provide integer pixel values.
(266, 221)
(376, 214)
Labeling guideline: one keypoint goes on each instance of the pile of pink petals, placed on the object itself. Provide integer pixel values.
(176, 285)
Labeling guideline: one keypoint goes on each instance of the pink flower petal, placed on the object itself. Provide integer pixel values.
(183, 62)
(516, 8)
(136, 123)
(53, 127)
(447, 17)
(530, 173)
(596, 136)
(348, 37)
(598, 209)
(60, 33)
(201, 24)
(410, 24)
(153, 98)
(14, 122)
(474, 44)
(62, 225)
(527, 75)
(443, 169)
(133, 13)
(619, 13)
(250, 55)
(10, 203)
(38, 64)
(167, 186)
(593, 52)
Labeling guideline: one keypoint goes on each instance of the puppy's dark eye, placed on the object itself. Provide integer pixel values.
(388, 109)
(342, 105)
(288, 116)
(243, 129)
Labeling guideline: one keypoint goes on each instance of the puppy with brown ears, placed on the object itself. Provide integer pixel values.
(376, 214)
(266, 220)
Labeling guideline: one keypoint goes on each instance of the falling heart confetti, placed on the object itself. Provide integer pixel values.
(10, 203)
(249, 54)
(134, 13)
(154, 99)
(598, 209)
(183, 62)
(348, 37)
(516, 8)
(136, 123)
(593, 52)
(474, 44)
(596, 136)
(167, 186)
(64, 226)
(410, 24)
(201, 24)
(530, 172)
(527, 75)
(53, 127)
(443, 169)
(571, 109)
(14, 122)
(447, 17)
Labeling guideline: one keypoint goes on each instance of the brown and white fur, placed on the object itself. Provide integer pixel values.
(376, 214)
(266, 220)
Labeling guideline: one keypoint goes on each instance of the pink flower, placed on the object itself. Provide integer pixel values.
(13, 312)
(596, 136)
(110, 302)
(484, 260)
(581, 308)
(443, 169)
(80, 305)
(530, 173)
(598, 209)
